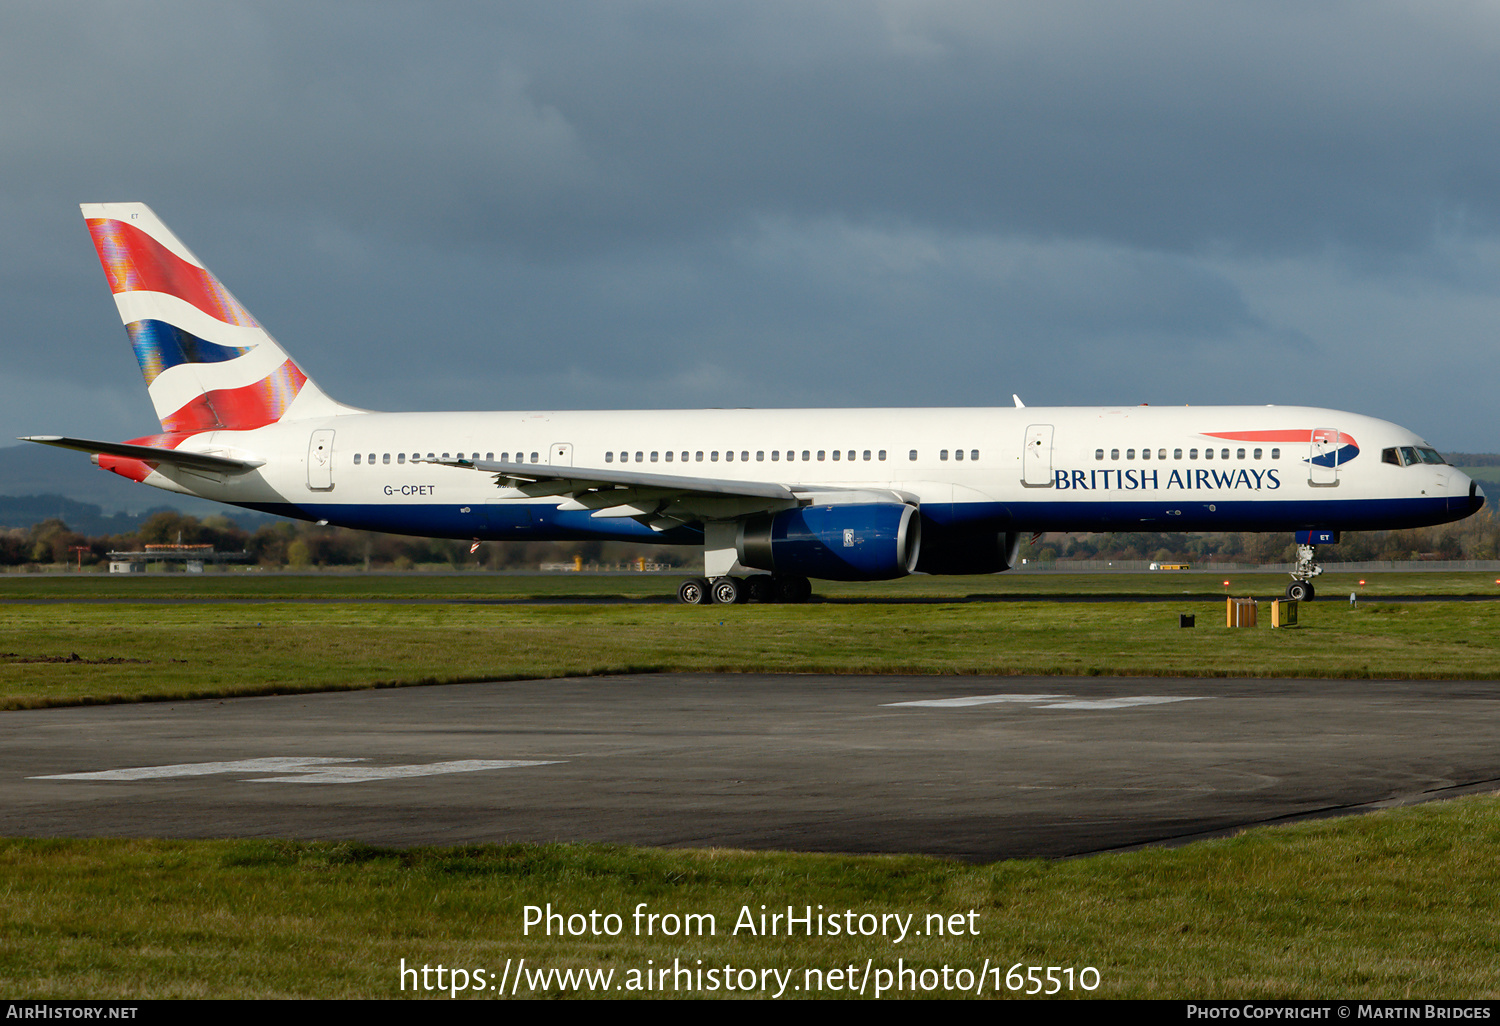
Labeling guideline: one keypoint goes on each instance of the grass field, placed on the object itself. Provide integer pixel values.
(1399, 904)
(393, 631)
(467, 586)
(1395, 905)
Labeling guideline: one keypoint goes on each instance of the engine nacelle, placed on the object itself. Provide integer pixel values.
(951, 551)
(865, 542)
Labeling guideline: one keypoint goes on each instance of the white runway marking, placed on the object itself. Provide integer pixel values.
(310, 770)
(359, 774)
(201, 769)
(1051, 701)
(1120, 703)
(950, 703)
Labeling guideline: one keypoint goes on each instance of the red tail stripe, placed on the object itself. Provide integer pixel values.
(239, 409)
(135, 262)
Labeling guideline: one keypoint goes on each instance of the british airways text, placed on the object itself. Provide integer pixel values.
(1151, 480)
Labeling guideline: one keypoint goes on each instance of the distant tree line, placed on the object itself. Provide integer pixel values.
(305, 545)
(1477, 537)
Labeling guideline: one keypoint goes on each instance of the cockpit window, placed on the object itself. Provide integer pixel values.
(1411, 455)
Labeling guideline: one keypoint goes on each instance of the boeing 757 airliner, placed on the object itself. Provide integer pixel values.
(848, 495)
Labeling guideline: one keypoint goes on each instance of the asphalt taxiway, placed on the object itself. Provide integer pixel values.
(970, 767)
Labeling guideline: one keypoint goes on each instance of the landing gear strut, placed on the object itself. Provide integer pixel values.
(1301, 589)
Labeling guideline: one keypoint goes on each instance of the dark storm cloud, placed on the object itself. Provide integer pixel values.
(654, 204)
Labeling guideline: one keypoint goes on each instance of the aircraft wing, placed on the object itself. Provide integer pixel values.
(662, 501)
(150, 454)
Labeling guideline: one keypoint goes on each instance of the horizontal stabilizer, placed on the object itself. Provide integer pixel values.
(151, 454)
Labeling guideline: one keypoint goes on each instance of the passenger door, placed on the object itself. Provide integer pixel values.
(320, 461)
(1036, 457)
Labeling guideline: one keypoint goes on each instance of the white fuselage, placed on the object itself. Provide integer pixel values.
(1019, 469)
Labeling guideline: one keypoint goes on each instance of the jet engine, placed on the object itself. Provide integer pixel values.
(968, 551)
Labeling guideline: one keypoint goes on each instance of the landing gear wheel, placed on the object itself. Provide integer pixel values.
(760, 589)
(792, 589)
(728, 590)
(693, 591)
(1300, 591)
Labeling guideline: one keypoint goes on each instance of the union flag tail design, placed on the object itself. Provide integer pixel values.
(208, 364)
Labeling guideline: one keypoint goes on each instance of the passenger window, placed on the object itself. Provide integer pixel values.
(775, 455)
(638, 458)
(1239, 454)
(669, 455)
(609, 457)
(1114, 454)
(489, 456)
(1192, 454)
(958, 454)
(851, 454)
(1224, 454)
(1161, 454)
(1145, 454)
(836, 454)
(973, 454)
(729, 456)
(400, 457)
(912, 456)
(1130, 454)
(807, 455)
(356, 459)
(1208, 454)
(385, 457)
(1177, 454)
(820, 455)
(882, 454)
(744, 456)
(943, 455)
(1259, 453)
(760, 456)
(698, 456)
(1275, 454)
(536, 457)
(713, 457)
(653, 457)
(445, 456)
(1098, 454)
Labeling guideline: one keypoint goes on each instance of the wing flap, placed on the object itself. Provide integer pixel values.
(575, 480)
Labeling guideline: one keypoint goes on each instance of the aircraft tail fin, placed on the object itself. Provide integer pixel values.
(208, 364)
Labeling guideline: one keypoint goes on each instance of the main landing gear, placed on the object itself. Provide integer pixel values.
(1301, 589)
(726, 591)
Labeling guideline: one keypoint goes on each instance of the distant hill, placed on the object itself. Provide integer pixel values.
(39, 481)
(83, 517)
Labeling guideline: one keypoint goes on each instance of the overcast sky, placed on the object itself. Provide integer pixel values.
(619, 204)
